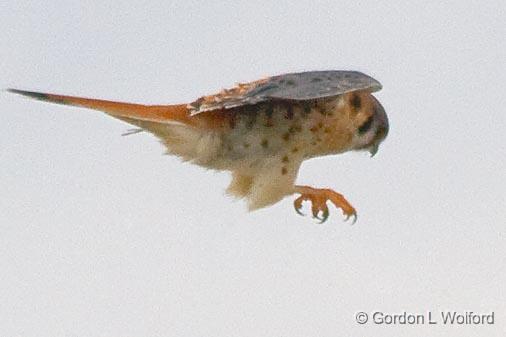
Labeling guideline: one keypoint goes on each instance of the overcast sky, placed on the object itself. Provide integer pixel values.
(102, 235)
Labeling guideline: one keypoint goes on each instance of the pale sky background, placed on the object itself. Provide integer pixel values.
(102, 235)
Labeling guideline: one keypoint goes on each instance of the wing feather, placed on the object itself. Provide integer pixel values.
(291, 87)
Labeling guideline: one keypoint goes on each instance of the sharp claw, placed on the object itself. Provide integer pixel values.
(298, 211)
(354, 215)
(325, 216)
(297, 204)
(315, 211)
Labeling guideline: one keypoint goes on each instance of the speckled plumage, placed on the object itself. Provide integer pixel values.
(262, 131)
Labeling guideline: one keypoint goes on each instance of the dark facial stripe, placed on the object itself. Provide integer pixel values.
(366, 125)
(356, 102)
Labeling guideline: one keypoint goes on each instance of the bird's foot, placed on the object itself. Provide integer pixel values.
(319, 198)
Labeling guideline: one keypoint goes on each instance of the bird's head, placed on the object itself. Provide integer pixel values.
(370, 122)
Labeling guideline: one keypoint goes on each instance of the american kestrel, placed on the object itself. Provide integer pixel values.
(263, 130)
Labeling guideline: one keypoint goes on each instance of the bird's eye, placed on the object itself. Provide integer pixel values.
(365, 126)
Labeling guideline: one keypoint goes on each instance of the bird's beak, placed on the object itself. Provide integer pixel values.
(373, 150)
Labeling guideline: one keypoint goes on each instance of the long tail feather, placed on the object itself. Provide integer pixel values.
(140, 112)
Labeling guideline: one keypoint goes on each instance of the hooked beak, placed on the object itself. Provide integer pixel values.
(373, 150)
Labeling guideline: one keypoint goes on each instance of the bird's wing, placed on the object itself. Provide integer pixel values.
(292, 87)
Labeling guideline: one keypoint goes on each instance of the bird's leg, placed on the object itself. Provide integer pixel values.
(319, 198)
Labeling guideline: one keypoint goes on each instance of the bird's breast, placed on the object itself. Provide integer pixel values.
(257, 132)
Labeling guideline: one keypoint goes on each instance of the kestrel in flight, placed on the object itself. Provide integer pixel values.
(263, 130)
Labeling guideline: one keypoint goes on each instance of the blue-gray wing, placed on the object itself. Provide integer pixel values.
(291, 87)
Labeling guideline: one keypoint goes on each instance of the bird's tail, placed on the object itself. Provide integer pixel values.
(125, 111)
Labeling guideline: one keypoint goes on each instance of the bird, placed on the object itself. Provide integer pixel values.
(262, 131)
